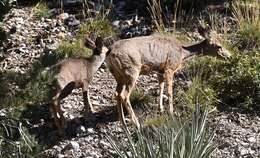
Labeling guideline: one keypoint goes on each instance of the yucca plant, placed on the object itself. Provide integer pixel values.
(176, 138)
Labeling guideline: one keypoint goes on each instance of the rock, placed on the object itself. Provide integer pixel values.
(251, 140)
(90, 130)
(60, 156)
(243, 152)
(80, 129)
(63, 16)
(72, 145)
(71, 21)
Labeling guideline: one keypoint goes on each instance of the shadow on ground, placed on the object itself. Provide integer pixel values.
(41, 124)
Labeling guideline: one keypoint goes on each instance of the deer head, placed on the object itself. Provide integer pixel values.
(211, 44)
(98, 46)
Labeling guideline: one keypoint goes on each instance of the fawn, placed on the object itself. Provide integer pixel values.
(76, 73)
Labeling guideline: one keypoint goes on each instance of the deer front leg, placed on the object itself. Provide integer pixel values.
(161, 88)
(88, 108)
(169, 82)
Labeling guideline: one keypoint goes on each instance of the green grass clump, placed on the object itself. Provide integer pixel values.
(199, 91)
(247, 15)
(72, 49)
(92, 28)
(42, 10)
(139, 99)
(99, 26)
(177, 138)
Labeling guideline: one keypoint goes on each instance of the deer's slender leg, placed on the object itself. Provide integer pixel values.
(127, 104)
(161, 88)
(120, 90)
(59, 119)
(88, 108)
(169, 82)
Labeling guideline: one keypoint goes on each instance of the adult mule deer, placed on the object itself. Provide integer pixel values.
(130, 58)
(76, 73)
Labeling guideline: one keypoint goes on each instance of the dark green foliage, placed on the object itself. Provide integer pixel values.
(41, 9)
(35, 86)
(15, 141)
(234, 82)
(4, 7)
(72, 49)
(237, 82)
(100, 25)
(3, 35)
(177, 138)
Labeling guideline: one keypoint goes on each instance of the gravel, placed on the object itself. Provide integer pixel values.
(238, 133)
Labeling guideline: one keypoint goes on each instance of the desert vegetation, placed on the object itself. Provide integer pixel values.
(38, 34)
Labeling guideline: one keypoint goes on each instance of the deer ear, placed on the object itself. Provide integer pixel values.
(99, 42)
(89, 43)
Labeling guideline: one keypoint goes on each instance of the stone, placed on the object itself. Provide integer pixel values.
(72, 145)
(63, 16)
(251, 140)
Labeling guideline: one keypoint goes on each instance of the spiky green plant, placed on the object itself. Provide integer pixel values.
(176, 139)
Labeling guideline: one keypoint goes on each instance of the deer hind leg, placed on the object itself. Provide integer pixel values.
(161, 88)
(129, 87)
(57, 113)
(169, 82)
(56, 109)
(120, 90)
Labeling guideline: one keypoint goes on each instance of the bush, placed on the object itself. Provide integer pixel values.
(177, 138)
(198, 92)
(237, 81)
(247, 15)
(233, 82)
(42, 10)
(139, 99)
(15, 141)
(99, 25)
(72, 49)
(4, 7)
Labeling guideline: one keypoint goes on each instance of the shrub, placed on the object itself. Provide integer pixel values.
(41, 10)
(177, 138)
(99, 25)
(15, 141)
(237, 81)
(139, 99)
(199, 91)
(247, 15)
(233, 82)
(4, 7)
(3, 35)
(72, 49)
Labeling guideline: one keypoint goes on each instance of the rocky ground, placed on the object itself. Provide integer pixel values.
(238, 133)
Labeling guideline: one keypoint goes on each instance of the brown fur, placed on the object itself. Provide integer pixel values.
(142, 55)
(76, 73)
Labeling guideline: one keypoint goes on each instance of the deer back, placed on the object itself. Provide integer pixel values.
(153, 52)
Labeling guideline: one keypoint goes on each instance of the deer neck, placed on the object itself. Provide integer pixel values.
(95, 61)
(193, 50)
